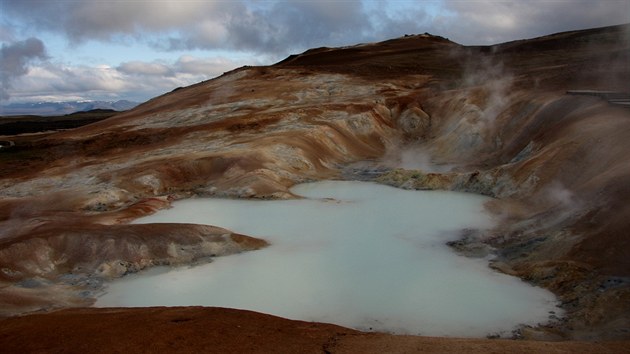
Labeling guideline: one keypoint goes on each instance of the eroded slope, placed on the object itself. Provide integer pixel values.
(492, 120)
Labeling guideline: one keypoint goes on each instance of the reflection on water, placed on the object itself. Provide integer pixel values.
(356, 254)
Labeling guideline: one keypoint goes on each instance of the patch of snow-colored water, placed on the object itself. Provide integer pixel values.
(356, 254)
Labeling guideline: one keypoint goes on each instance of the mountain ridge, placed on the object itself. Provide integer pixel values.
(63, 107)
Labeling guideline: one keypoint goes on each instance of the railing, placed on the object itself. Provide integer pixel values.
(616, 98)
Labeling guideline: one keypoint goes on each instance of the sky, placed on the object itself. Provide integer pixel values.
(68, 50)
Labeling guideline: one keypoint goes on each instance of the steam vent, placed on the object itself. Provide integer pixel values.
(540, 126)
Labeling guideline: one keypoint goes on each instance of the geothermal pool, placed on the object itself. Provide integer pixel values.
(356, 254)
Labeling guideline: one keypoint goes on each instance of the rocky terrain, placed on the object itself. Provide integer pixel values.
(417, 112)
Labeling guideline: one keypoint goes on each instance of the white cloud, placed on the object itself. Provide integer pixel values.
(134, 80)
(143, 68)
(71, 79)
(203, 66)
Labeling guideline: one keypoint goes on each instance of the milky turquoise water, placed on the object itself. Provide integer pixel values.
(356, 254)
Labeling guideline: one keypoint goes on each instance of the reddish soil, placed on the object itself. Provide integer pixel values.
(218, 330)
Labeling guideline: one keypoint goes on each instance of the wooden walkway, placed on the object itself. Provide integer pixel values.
(616, 98)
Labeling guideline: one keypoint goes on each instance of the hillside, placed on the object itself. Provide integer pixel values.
(512, 121)
(62, 108)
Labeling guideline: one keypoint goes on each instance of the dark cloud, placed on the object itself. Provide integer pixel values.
(316, 23)
(6, 34)
(184, 25)
(107, 20)
(277, 28)
(387, 23)
(283, 26)
(14, 59)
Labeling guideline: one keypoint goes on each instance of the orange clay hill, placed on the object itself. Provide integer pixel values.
(541, 125)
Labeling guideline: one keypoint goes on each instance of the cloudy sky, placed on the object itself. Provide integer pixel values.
(60, 50)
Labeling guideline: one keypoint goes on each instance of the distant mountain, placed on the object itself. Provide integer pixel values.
(61, 108)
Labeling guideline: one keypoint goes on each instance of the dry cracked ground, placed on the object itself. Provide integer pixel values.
(494, 120)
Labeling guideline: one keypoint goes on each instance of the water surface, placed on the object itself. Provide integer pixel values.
(357, 254)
